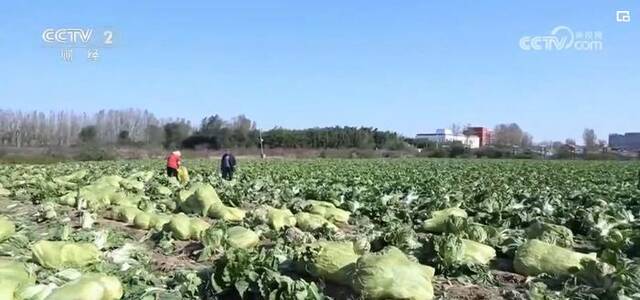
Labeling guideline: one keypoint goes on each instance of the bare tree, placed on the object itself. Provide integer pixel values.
(456, 129)
(62, 128)
(602, 144)
(512, 135)
(526, 141)
(590, 139)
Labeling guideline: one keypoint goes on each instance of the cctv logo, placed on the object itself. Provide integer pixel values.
(67, 35)
(563, 38)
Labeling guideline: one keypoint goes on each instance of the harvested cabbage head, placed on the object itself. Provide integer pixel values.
(451, 252)
(59, 255)
(35, 292)
(311, 222)
(551, 233)
(89, 287)
(438, 220)
(197, 227)
(13, 276)
(328, 211)
(101, 193)
(332, 261)
(535, 257)
(7, 228)
(201, 200)
(477, 253)
(142, 220)
(180, 226)
(390, 274)
(240, 237)
(226, 213)
(217, 240)
(280, 218)
(4, 192)
(126, 214)
(158, 221)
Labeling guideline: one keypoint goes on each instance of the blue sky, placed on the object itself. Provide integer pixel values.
(408, 66)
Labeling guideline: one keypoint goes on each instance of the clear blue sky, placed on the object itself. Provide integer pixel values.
(408, 66)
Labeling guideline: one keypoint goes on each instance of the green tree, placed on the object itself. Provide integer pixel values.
(175, 133)
(123, 137)
(333, 137)
(155, 135)
(88, 134)
(212, 126)
(243, 131)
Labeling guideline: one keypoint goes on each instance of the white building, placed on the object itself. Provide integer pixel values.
(443, 136)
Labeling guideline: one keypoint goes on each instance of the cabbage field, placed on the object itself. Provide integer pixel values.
(321, 229)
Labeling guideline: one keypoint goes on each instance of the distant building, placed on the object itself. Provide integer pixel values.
(481, 132)
(442, 136)
(630, 141)
(574, 148)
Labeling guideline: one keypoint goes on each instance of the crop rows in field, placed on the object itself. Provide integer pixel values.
(469, 223)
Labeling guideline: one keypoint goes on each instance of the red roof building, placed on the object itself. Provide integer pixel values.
(482, 132)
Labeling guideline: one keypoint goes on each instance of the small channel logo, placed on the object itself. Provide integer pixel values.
(623, 16)
(562, 38)
(69, 39)
(76, 37)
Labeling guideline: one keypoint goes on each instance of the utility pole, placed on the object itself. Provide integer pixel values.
(261, 146)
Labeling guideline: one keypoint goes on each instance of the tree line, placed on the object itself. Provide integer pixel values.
(215, 133)
(142, 128)
(65, 128)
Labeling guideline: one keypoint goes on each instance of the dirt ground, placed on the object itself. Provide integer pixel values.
(508, 286)
(180, 260)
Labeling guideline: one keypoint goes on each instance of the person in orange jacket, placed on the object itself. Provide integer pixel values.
(173, 163)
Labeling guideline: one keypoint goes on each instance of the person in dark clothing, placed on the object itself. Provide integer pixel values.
(227, 165)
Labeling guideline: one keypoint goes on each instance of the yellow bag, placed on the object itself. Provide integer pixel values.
(183, 175)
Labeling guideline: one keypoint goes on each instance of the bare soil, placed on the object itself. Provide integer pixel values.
(509, 286)
(134, 233)
(183, 258)
(469, 292)
(171, 263)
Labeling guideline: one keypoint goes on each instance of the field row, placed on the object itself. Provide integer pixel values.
(312, 229)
